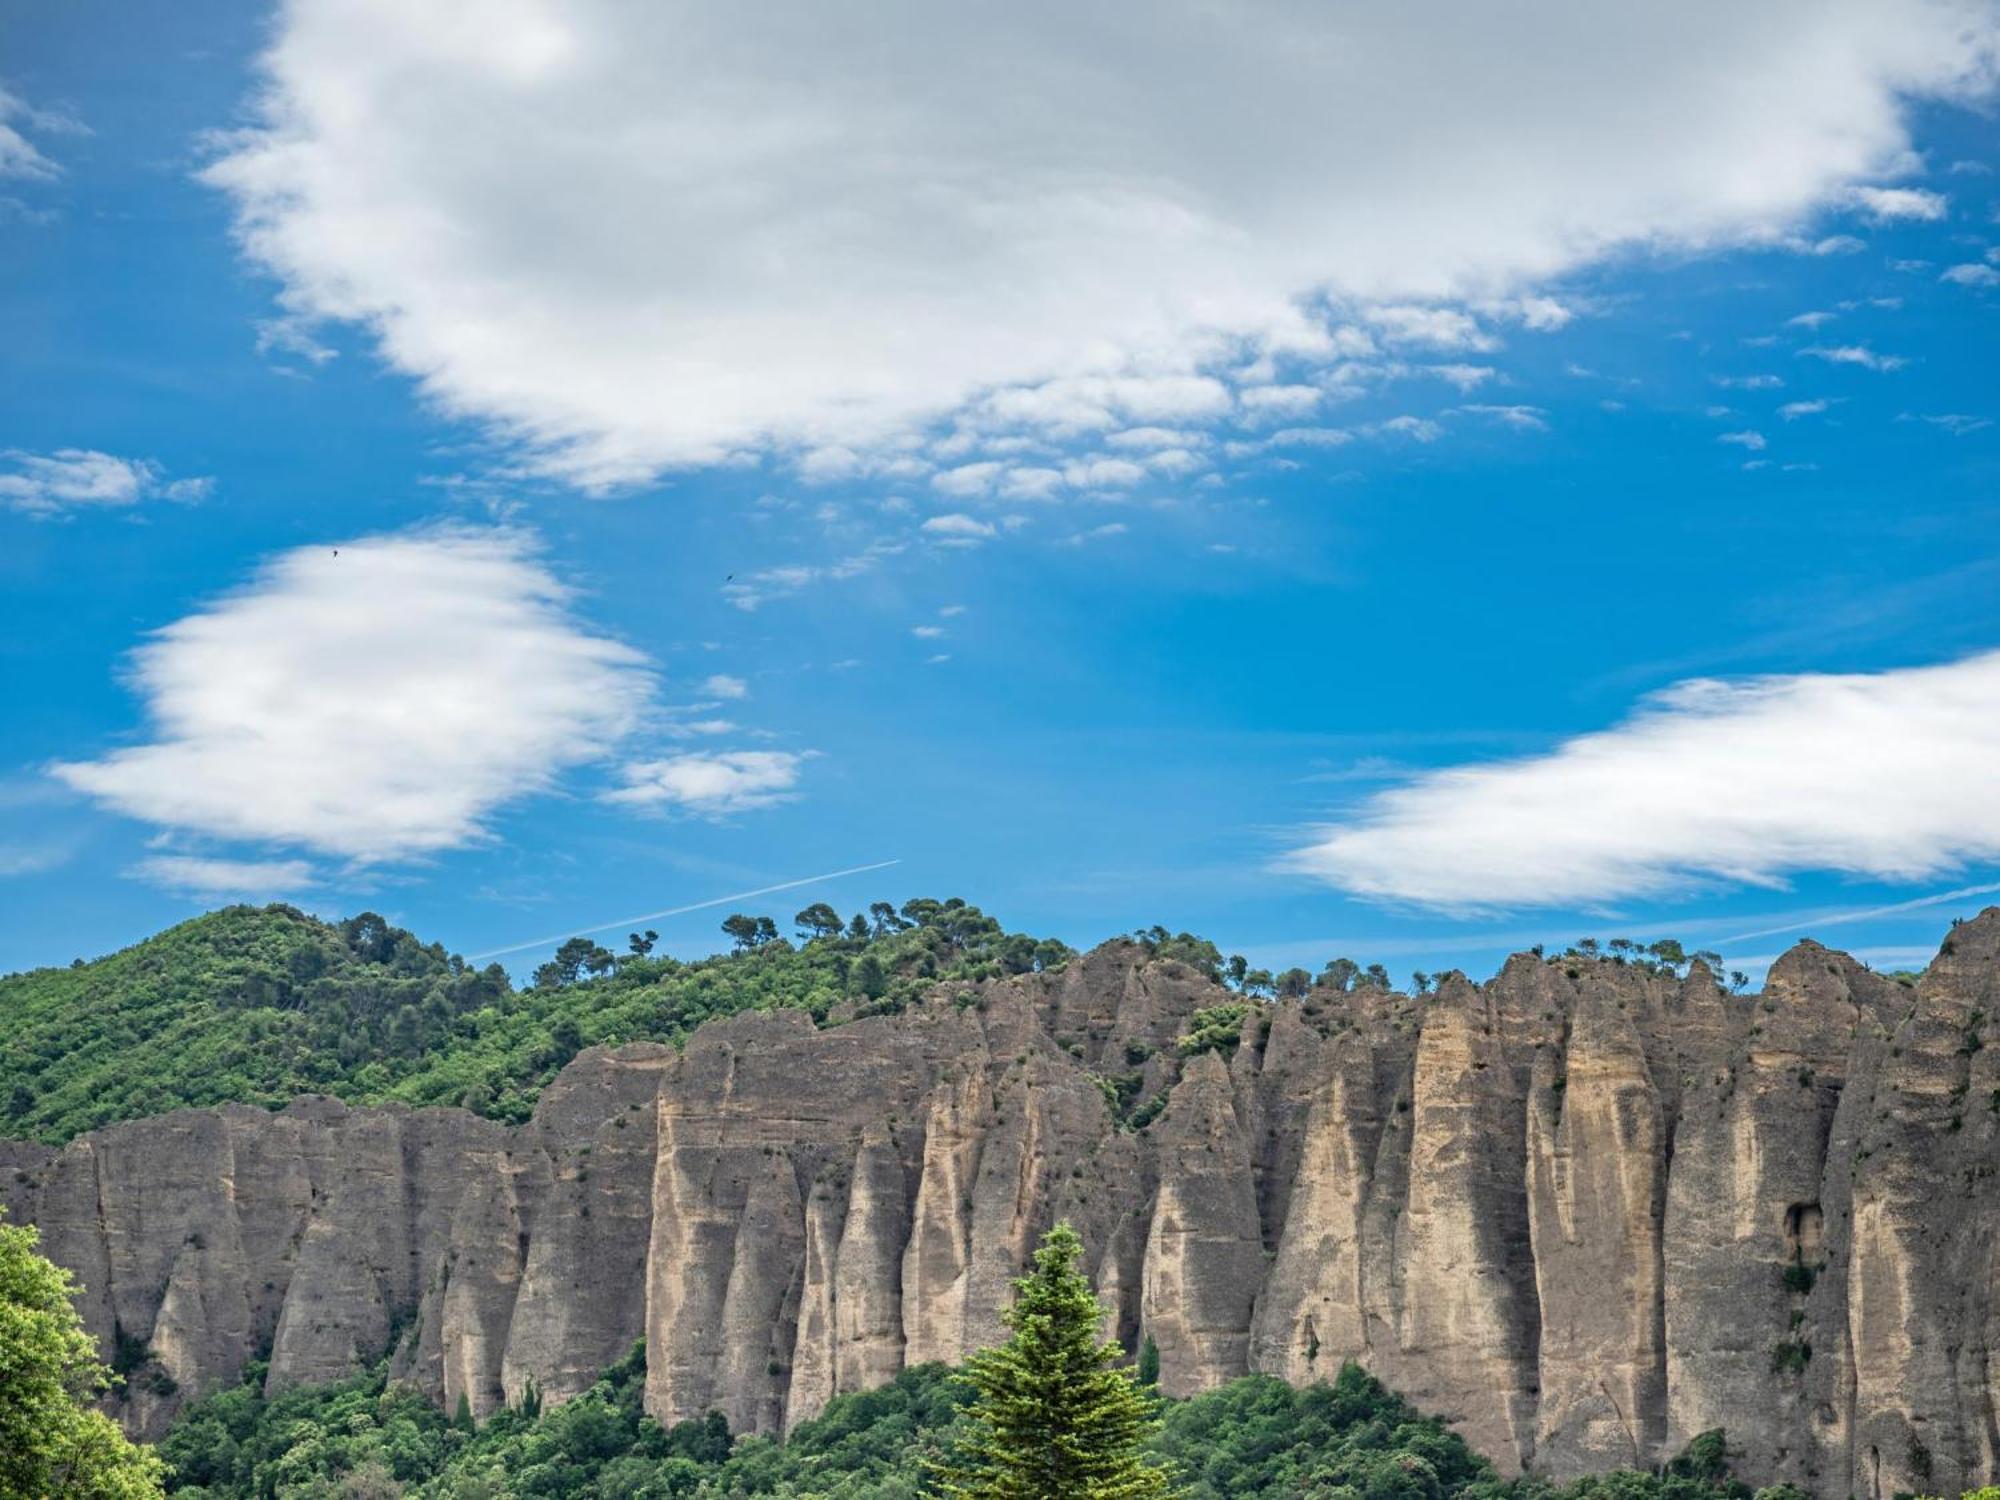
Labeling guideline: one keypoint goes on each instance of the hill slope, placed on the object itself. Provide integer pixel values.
(257, 1005)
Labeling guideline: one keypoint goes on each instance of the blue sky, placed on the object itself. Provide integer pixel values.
(1295, 516)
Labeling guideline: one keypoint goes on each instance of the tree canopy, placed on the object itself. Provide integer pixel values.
(52, 1443)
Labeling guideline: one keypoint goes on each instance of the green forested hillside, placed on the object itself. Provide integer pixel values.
(1255, 1439)
(257, 1005)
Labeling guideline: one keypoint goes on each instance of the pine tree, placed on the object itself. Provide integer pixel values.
(1055, 1416)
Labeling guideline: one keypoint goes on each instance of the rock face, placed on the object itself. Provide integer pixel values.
(1585, 1211)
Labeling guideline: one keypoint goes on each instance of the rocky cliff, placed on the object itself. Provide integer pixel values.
(1584, 1210)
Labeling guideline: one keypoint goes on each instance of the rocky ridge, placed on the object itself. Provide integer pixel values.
(1584, 1210)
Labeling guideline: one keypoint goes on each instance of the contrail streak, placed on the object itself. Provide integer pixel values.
(677, 911)
(1861, 916)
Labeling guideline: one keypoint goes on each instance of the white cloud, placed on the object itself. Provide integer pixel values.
(1311, 437)
(767, 584)
(1748, 382)
(968, 481)
(927, 632)
(1154, 437)
(1280, 400)
(1465, 377)
(1103, 473)
(1418, 429)
(1096, 534)
(1521, 418)
(1791, 411)
(214, 879)
(1883, 204)
(1754, 441)
(1959, 423)
(1856, 354)
(1893, 775)
(722, 685)
(1810, 319)
(691, 729)
(45, 484)
(374, 702)
(19, 156)
(957, 530)
(632, 237)
(1434, 327)
(728, 781)
(1972, 274)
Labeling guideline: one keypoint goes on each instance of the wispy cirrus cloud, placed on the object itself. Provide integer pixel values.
(1892, 775)
(70, 479)
(19, 156)
(208, 879)
(1855, 354)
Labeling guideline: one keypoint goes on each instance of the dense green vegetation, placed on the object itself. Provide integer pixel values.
(257, 1005)
(1255, 1439)
(52, 1442)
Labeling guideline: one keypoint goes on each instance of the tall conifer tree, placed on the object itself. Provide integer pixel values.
(1056, 1416)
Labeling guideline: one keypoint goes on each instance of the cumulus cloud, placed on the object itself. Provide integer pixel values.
(716, 785)
(588, 224)
(373, 702)
(959, 530)
(1752, 440)
(1791, 411)
(721, 685)
(1892, 775)
(1883, 204)
(47, 484)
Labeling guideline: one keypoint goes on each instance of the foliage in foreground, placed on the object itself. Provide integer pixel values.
(257, 1005)
(1254, 1439)
(52, 1443)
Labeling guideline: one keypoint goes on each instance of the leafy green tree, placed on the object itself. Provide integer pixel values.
(1340, 974)
(818, 921)
(1216, 1029)
(868, 978)
(1148, 1371)
(1293, 984)
(642, 942)
(744, 931)
(52, 1444)
(1055, 1416)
